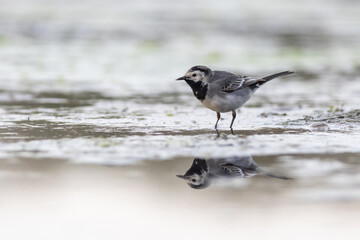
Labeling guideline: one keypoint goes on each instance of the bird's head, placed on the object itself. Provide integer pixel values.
(197, 74)
(197, 176)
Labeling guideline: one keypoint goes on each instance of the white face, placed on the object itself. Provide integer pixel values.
(196, 76)
(196, 179)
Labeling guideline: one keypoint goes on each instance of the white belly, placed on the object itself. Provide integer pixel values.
(226, 102)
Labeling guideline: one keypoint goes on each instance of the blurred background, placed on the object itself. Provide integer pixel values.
(93, 127)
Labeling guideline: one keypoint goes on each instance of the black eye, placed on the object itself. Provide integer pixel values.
(194, 74)
(193, 180)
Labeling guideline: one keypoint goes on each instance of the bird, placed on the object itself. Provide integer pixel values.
(223, 91)
(203, 171)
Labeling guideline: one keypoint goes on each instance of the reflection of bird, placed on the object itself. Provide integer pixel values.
(203, 171)
(222, 91)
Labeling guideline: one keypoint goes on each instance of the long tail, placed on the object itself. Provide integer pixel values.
(261, 81)
(270, 77)
(275, 176)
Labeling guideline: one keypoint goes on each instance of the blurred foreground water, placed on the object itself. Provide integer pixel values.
(94, 129)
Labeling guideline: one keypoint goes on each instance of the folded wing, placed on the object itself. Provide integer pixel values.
(233, 170)
(237, 82)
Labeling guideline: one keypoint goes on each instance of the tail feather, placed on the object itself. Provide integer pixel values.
(270, 77)
(263, 80)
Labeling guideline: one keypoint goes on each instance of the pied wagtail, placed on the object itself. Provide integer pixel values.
(223, 91)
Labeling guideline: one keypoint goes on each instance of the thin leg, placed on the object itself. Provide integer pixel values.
(232, 121)
(218, 118)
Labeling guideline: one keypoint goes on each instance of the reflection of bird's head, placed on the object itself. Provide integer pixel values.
(197, 176)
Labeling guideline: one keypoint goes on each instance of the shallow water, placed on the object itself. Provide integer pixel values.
(94, 129)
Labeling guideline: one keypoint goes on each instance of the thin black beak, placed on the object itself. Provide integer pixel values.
(181, 78)
(181, 176)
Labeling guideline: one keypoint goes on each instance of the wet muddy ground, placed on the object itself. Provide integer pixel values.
(94, 127)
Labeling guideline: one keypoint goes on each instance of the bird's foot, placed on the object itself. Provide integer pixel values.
(217, 132)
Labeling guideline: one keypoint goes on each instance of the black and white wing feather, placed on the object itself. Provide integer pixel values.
(233, 170)
(239, 82)
(234, 84)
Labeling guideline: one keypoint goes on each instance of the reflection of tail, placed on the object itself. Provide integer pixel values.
(275, 176)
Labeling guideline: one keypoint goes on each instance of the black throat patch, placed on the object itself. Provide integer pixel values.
(198, 167)
(199, 90)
